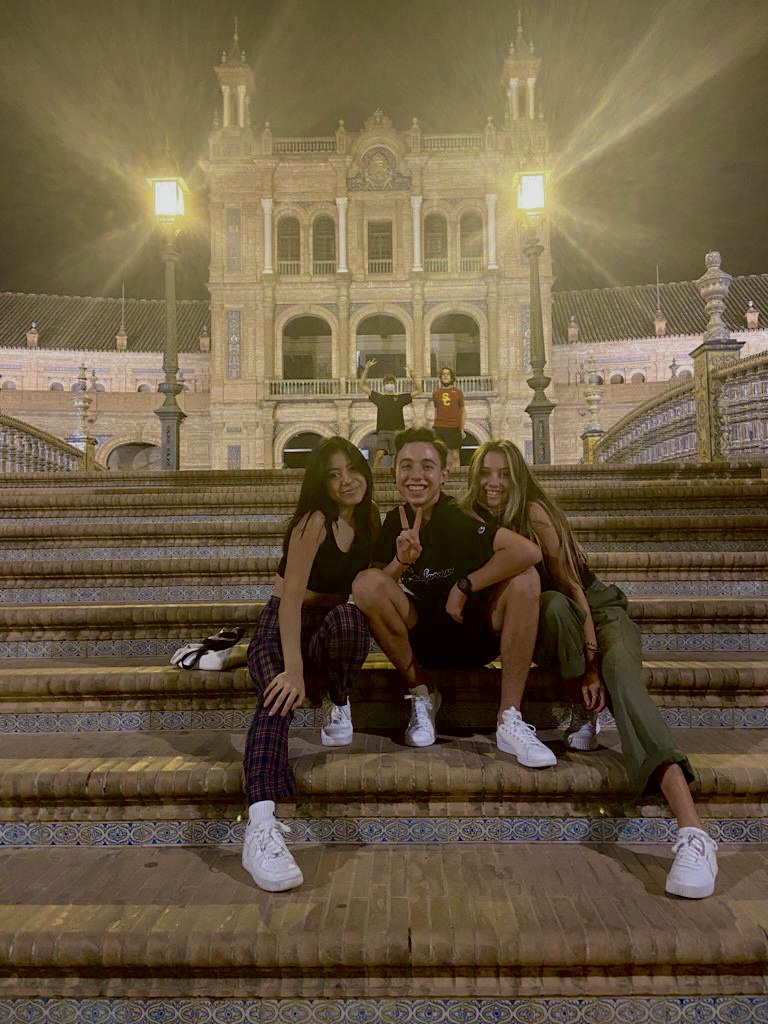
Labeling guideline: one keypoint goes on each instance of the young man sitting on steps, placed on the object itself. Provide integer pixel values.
(448, 591)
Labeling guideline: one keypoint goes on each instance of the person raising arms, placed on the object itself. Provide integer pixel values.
(586, 634)
(307, 630)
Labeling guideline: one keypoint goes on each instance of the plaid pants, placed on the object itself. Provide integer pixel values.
(334, 644)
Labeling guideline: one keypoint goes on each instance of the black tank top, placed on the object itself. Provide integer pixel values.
(333, 570)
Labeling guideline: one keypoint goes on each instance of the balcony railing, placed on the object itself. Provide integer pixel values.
(348, 387)
(471, 263)
(452, 141)
(318, 144)
(324, 267)
(380, 266)
(436, 264)
(289, 268)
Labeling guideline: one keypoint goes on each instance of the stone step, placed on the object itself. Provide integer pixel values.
(751, 524)
(117, 630)
(467, 924)
(191, 775)
(619, 566)
(141, 685)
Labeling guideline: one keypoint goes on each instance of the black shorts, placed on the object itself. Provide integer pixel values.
(439, 642)
(450, 436)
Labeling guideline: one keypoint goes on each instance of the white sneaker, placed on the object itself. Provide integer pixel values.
(266, 858)
(514, 736)
(337, 728)
(421, 728)
(581, 734)
(694, 871)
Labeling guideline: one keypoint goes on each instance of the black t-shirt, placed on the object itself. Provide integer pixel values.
(389, 415)
(453, 545)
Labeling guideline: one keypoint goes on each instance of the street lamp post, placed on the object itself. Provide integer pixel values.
(169, 208)
(530, 199)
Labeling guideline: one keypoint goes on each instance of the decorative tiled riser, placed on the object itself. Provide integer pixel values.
(653, 643)
(263, 591)
(237, 720)
(376, 830)
(586, 1010)
(60, 553)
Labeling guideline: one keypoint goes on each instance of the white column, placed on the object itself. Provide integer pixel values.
(515, 98)
(531, 106)
(241, 106)
(490, 202)
(266, 205)
(341, 206)
(416, 215)
(225, 111)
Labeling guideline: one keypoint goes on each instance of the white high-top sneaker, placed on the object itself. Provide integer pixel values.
(266, 858)
(694, 871)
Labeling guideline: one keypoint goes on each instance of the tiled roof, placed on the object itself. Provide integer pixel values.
(74, 322)
(605, 314)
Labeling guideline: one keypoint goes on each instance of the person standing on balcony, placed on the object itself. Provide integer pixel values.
(307, 632)
(450, 414)
(447, 591)
(586, 635)
(389, 410)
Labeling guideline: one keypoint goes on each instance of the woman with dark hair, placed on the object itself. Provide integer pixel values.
(307, 630)
(586, 634)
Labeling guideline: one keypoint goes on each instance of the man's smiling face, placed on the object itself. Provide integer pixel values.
(419, 475)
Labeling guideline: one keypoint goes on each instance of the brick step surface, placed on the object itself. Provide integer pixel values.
(399, 921)
(75, 572)
(193, 774)
(723, 617)
(38, 685)
(716, 526)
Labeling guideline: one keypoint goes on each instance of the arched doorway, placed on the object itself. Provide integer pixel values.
(382, 338)
(306, 349)
(469, 446)
(134, 456)
(454, 340)
(298, 449)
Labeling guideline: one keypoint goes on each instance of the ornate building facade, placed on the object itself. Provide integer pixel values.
(402, 246)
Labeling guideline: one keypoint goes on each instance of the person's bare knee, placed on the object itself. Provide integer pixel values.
(366, 588)
(519, 594)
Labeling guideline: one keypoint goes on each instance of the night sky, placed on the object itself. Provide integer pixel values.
(657, 111)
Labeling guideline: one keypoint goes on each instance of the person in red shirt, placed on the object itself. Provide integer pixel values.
(450, 414)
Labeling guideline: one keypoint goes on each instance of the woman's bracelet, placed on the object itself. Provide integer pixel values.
(402, 562)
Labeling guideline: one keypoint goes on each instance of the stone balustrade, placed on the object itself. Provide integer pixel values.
(343, 386)
(25, 449)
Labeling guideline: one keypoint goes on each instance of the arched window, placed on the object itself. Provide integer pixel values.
(9, 385)
(324, 246)
(471, 242)
(435, 243)
(98, 386)
(143, 389)
(617, 378)
(637, 378)
(56, 385)
(288, 247)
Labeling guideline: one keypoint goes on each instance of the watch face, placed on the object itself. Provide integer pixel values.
(464, 586)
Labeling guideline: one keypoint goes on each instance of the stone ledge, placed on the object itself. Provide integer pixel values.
(474, 920)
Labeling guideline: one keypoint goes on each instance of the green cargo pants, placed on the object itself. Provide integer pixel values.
(646, 740)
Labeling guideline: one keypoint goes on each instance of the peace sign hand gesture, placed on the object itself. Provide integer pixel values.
(408, 545)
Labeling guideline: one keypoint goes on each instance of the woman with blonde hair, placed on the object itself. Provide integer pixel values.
(587, 636)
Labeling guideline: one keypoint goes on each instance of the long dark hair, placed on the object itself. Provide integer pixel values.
(524, 489)
(314, 496)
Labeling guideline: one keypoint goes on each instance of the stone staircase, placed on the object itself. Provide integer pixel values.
(440, 884)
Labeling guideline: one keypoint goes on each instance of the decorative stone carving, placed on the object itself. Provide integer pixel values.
(378, 173)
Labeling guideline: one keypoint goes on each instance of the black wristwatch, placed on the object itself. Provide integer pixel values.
(464, 585)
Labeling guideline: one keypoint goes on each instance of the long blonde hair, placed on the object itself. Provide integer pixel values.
(524, 489)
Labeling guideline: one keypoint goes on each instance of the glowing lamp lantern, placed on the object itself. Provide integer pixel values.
(530, 193)
(169, 197)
